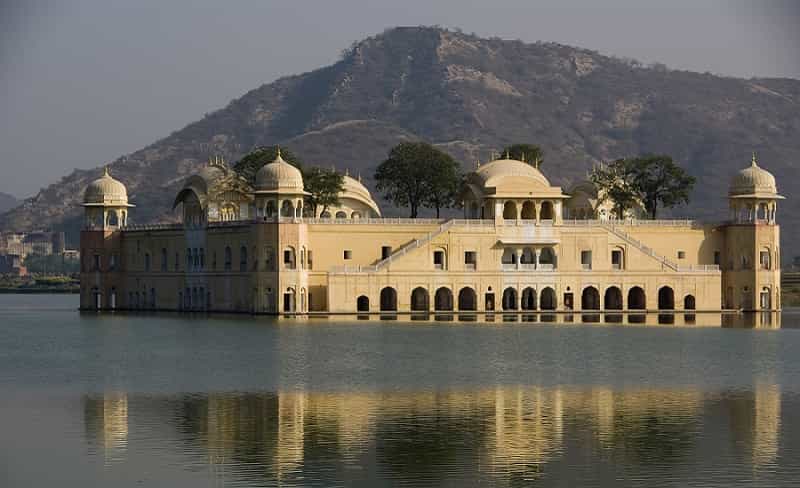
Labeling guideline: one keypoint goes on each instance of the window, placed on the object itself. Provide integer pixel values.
(202, 258)
(112, 262)
(438, 259)
(470, 259)
(269, 259)
(214, 260)
(96, 263)
(177, 261)
(289, 258)
(586, 259)
(188, 259)
(681, 254)
(147, 261)
(243, 259)
(309, 260)
(616, 259)
(163, 259)
(764, 260)
(348, 254)
(745, 262)
(717, 258)
(386, 251)
(228, 258)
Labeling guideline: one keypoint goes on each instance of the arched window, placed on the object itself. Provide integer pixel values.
(510, 211)
(547, 300)
(362, 304)
(528, 256)
(325, 215)
(689, 302)
(289, 300)
(341, 215)
(443, 300)
(355, 215)
(287, 209)
(765, 300)
(528, 211)
(243, 258)
(547, 212)
(467, 299)
(509, 299)
(419, 300)
(147, 261)
(547, 258)
(613, 298)
(228, 258)
(528, 299)
(666, 298)
(765, 259)
(509, 257)
(113, 219)
(590, 299)
(289, 258)
(388, 299)
(270, 209)
(636, 299)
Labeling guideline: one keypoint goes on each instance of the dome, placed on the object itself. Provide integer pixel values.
(355, 190)
(753, 181)
(279, 176)
(491, 173)
(106, 191)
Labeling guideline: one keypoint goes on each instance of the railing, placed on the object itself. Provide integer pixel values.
(413, 245)
(639, 245)
(528, 267)
(368, 221)
(133, 227)
(698, 267)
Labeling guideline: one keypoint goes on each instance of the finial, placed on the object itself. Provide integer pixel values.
(359, 176)
(507, 155)
(105, 171)
(753, 162)
(523, 158)
(279, 152)
(347, 171)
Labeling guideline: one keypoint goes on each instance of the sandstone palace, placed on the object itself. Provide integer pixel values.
(522, 244)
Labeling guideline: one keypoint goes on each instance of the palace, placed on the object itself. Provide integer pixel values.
(522, 244)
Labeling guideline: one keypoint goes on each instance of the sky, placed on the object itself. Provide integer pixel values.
(83, 82)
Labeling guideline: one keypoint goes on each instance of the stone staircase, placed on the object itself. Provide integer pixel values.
(640, 246)
(416, 243)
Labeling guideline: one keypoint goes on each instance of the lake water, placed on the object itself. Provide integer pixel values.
(170, 400)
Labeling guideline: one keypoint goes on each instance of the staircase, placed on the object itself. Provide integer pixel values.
(416, 243)
(638, 245)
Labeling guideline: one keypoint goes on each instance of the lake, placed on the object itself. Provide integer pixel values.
(192, 400)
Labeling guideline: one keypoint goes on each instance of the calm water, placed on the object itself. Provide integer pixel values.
(169, 400)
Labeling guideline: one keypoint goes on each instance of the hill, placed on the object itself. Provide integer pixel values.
(471, 96)
(7, 202)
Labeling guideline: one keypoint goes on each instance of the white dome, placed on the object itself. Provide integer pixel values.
(491, 173)
(105, 191)
(355, 190)
(279, 176)
(753, 180)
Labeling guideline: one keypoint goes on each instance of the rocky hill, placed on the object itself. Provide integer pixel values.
(7, 202)
(471, 96)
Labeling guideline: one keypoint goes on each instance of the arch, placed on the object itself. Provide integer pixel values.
(765, 300)
(228, 258)
(290, 300)
(510, 210)
(689, 302)
(355, 215)
(362, 303)
(528, 299)
(590, 299)
(548, 256)
(547, 299)
(341, 214)
(528, 211)
(388, 299)
(287, 209)
(528, 256)
(666, 298)
(613, 298)
(547, 211)
(325, 215)
(467, 299)
(270, 209)
(474, 211)
(289, 258)
(420, 301)
(509, 256)
(443, 299)
(637, 300)
(509, 299)
(113, 218)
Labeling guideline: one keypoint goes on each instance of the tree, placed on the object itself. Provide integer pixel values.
(324, 186)
(417, 174)
(658, 180)
(249, 165)
(529, 153)
(613, 182)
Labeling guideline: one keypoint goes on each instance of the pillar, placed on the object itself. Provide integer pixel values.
(537, 252)
(518, 254)
(538, 206)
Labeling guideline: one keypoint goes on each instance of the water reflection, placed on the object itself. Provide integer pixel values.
(494, 436)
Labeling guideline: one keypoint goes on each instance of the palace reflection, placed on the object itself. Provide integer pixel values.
(519, 433)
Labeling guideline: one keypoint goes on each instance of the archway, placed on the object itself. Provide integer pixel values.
(636, 299)
(613, 298)
(287, 209)
(765, 300)
(509, 299)
(419, 300)
(528, 211)
(362, 303)
(547, 257)
(388, 299)
(689, 302)
(341, 214)
(289, 300)
(546, 212)
(467, 299)
(510, 211)
(666, 298)
(528, 299)
(547, 299)
(590, 299)
(443, 300)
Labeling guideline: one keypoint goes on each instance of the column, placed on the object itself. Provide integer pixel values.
(538, 252)
(518, 254)
(538, 206)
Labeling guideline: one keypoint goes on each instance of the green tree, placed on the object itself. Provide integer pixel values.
(324, 186)
(249, 165)
(659, 181)
(613, 182)
(51, 264)
(530, 153)
(417, 174)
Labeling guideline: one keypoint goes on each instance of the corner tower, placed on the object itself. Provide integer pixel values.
(751, 278)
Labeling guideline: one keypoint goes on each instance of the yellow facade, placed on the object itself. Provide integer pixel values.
(516, 249)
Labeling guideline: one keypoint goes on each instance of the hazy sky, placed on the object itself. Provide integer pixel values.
(85, 81)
